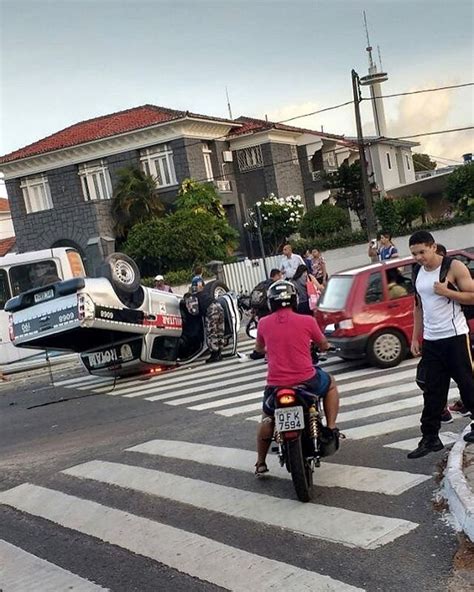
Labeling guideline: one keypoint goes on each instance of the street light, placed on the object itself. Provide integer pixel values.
(258, 221)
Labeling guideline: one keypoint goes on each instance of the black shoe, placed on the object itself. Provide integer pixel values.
(256, 356)
(426, 445)
(215, 356)
(469, 437)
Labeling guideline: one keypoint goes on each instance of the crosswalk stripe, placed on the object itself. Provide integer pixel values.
(22, 572)
(398, 405)
(337, 525)
(189, 553)
(71, 382)
(383, 427)
(329, 474)
(446, 437)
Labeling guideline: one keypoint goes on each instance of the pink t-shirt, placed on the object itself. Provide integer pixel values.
(287, 337)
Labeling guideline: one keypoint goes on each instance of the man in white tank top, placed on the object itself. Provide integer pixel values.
(445, 351)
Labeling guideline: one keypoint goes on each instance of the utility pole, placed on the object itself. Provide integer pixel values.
(258, 217)
(367, 191)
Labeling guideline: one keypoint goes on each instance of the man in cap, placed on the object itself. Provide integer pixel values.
(160, 284)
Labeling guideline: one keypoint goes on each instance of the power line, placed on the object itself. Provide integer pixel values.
(425, 90)
(316, 112)
(448, 131)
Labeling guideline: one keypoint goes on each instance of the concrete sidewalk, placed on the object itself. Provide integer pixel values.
(458, 484)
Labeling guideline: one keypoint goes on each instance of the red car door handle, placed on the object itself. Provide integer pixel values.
(393, 305)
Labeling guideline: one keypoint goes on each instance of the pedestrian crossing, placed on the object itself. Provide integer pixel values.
(222, 564)
(374, 402)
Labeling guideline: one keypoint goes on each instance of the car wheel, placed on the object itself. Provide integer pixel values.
(216, 288)
(122, 272)
(387, 348)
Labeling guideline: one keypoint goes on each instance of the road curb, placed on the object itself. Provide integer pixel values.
(457, 490)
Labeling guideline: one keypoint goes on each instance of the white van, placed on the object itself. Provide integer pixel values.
(20, 272)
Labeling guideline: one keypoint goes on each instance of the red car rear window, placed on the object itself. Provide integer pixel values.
(335, 295)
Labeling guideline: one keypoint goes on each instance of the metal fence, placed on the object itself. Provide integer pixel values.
(245, 275)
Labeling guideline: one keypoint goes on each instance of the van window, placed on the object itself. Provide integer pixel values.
(33, 275)
(374, 291)
(335, 295)
(4, 288)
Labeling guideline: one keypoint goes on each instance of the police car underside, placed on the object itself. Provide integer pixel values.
(115, 335)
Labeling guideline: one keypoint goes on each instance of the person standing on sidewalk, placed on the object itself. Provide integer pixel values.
(290, 262)
(445, 351)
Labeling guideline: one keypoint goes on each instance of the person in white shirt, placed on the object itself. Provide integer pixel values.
(445, 350)
(290, 263)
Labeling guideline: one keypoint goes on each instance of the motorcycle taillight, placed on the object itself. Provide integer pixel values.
(286, 396)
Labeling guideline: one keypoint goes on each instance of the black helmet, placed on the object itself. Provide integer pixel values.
(281, 294)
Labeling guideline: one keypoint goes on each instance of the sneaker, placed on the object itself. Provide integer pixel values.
(256, 355)
(469, 437)
(446, 416)
(426, 445)
(458, 407)
(215, 356)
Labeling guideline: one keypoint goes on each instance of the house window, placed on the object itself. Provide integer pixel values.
(95, 180)
(329, 161)
(389, 162)
(206, 152)
(250, 158)
(294, 155)
(408, 161)
(36, 194)
(158, 162)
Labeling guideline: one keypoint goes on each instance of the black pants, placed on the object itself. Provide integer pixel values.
(441, 361)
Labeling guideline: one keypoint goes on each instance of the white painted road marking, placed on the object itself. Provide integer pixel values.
(23, 572)
(327, 475)
(337, 525)
(189, 553)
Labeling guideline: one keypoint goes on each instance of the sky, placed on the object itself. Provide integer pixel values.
(70, 60)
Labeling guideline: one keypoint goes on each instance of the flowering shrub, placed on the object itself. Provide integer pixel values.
(280, 217)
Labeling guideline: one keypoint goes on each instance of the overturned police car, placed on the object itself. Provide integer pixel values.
(118, 326)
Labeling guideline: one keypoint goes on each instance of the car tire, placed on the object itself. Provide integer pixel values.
(215, 289)
(387, 348)
(122, 272)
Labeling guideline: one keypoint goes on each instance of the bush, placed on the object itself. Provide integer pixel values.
(179, 241)
(324, 220)
(460, 188)
(410, 209)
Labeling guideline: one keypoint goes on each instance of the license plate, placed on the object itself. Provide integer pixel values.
(42, 296)
(289, 418)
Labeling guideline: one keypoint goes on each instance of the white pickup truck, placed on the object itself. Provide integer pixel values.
(118, 326)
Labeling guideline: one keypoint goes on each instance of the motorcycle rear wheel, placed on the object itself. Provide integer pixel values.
(301, 473)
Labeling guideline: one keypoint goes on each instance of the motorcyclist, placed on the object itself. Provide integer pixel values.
(286, 338)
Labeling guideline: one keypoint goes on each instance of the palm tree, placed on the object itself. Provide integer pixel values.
(135, 199)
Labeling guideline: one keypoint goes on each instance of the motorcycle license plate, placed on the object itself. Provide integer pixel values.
(289, 418)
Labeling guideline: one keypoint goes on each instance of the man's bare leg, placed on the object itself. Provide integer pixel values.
(331, 404)
(264, 437)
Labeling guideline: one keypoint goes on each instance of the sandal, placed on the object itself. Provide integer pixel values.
(260, 469)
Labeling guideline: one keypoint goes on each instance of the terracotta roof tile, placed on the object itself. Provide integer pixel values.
(6, 244)
(103, 127)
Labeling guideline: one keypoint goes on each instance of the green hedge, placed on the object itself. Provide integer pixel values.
(175, 278)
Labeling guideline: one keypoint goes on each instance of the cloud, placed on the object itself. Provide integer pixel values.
(427, 112)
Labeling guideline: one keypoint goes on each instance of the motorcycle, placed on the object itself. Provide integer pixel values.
(301, 438)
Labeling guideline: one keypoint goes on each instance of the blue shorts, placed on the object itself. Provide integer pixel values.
(318, 385)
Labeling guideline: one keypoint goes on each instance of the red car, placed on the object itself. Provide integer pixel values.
(365, 317)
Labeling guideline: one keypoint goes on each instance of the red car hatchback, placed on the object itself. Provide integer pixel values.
(367, 312)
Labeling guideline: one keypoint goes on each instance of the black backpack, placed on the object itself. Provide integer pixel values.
(468, 309)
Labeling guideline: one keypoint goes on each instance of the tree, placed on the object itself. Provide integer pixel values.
(180, 241)
(423, 162)
(200, 197)
(280, 217)
(324, 220)
(348, 189)
(135, 199)
(387, 215)
(460, 188)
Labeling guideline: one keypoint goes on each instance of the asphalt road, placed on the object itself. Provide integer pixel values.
(78, 511)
